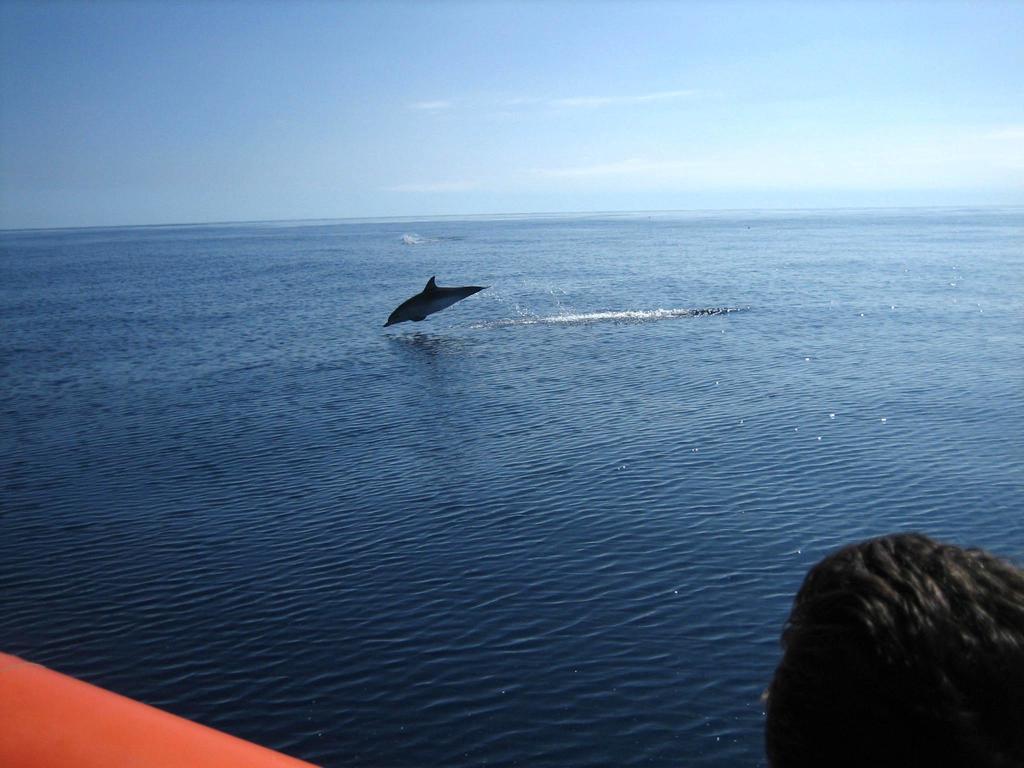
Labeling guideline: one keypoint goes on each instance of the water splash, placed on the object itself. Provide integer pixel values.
(411, 238)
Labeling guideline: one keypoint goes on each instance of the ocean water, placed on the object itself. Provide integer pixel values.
(559, 523)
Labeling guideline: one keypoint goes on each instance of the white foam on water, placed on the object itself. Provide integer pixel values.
(620, 316)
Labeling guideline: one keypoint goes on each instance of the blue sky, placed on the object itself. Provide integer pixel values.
(136, 113)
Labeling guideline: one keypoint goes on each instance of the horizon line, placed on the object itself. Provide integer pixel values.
(506, 214)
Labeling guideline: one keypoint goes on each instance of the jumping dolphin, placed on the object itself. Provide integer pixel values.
(430, 300)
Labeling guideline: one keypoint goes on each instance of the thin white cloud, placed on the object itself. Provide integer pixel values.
(431, 106)
(568, 102)
(606, 101)
(633, 167)
(435, 186)
(1007, 133)
(896, 158)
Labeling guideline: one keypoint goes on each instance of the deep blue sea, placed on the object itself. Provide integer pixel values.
(560, 523)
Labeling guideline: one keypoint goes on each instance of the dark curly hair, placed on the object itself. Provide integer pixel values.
(901, 651)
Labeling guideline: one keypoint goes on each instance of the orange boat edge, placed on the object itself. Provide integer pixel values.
(50, 720)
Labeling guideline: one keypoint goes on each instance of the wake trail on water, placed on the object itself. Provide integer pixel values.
(615, 316)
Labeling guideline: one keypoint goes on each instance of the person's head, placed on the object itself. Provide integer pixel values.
(901, 651)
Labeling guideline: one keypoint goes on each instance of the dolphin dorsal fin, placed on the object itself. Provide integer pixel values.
(431, 286)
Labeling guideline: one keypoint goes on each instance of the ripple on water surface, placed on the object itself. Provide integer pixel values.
(543, 527)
